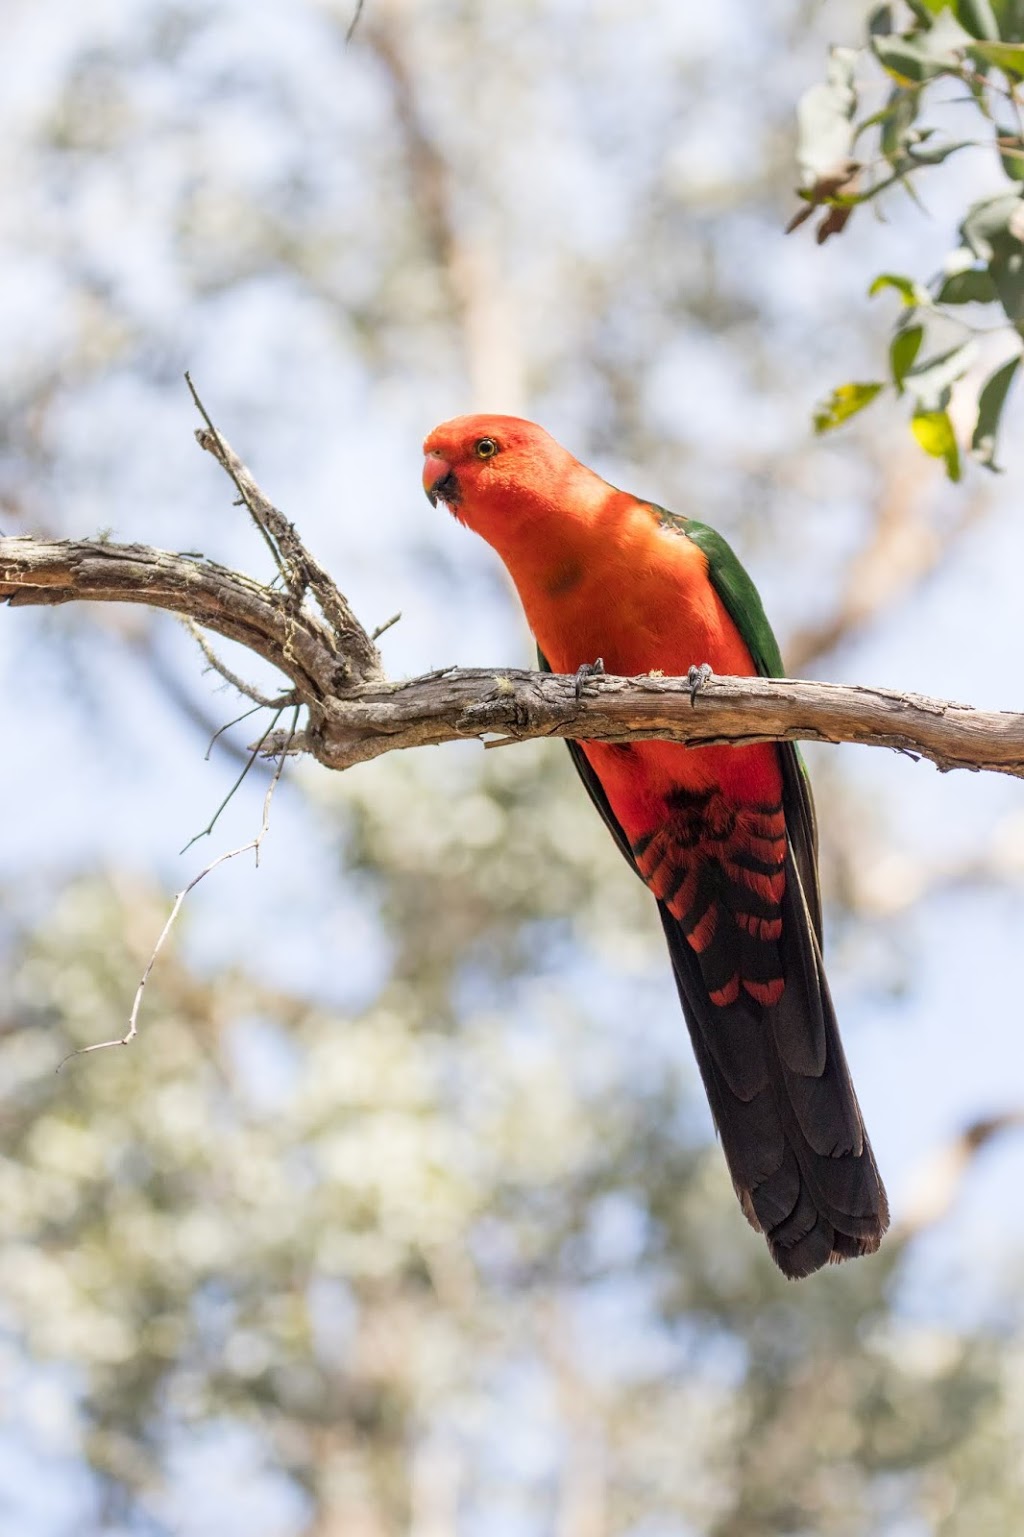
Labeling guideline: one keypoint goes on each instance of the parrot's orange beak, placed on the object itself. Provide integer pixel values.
(439, 480)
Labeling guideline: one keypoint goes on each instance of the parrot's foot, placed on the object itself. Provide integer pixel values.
(588, 670)
(696, 678)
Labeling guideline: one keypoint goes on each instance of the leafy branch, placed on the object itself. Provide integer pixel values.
(915, 51)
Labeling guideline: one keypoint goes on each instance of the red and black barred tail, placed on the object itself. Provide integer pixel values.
(748, 968)
(738, 898)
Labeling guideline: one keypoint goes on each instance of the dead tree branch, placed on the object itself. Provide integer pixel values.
(254, 845)
(518, 705)
(351, 722)
(308, 632)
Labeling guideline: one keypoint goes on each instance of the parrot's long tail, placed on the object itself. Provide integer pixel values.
(737, 892)
(775, 1073)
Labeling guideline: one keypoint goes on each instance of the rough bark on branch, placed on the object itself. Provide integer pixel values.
(518, 705)
(354, 713)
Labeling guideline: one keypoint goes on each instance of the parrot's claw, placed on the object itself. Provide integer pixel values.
(696, 678)
(588, 670)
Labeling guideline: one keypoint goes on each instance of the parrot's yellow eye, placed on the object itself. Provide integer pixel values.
(486, 448)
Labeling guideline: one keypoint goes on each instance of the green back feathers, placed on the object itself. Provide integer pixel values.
(744, 607)
(736, 590)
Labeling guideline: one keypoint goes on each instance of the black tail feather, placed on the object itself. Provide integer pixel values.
(790, 1124)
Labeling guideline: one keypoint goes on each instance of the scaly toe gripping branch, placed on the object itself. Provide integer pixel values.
(696, 677)
(588, 670)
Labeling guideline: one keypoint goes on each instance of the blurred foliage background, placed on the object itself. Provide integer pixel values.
(404, 1213)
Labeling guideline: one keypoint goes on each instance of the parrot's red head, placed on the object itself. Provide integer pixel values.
(503, 476)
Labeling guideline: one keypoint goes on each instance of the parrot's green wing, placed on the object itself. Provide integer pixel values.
(743, 605)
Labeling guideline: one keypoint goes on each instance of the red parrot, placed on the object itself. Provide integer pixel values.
(723, 836)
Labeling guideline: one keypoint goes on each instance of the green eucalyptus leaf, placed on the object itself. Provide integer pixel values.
(911, 191)
(994, 230)
(881, 20)
(1007, 269)
(931, 381)
(1009, 16)
(1011, 153)
(903, 350)
(934, 432)
(845, 401)
(946, 38)
(1009, 57)
(934, 49)
(992, 221)
(990, 408)
(912, 293)
(935, 154)
(975, 286)
(978, 17)
(903, 107)
(894, 120)
(905, 60)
